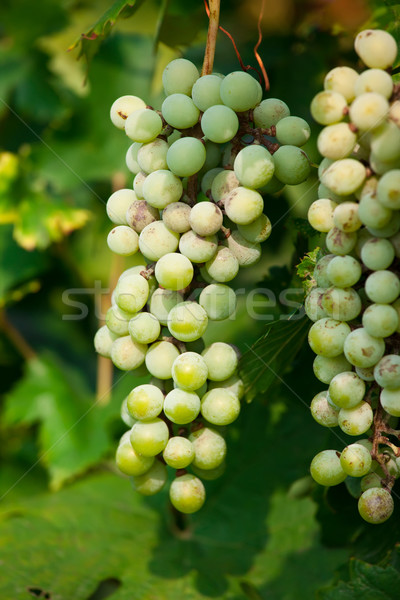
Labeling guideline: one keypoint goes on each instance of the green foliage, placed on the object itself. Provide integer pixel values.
(305, 269)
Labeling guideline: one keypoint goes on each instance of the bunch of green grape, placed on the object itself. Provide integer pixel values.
(195, 215)
(355, 303)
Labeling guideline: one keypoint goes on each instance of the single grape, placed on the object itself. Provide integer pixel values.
(376, 505)
(174, 271)
(363, 350)
(162, 301)
(149, 438)
(344, 176)
(344, 271)
(292, 165)
(220, 406)
(186, 156)
(323, 412)
(321, 271)
(159, 359)
(129, 461)
(153, 156)
(178, 453)
(257, 231)
(219, 124)
(221, 360)
(346, 389)
(372, 213)
(117, 320)
(328, 107)
(246, 253)
(345, 217)
(239, 91)
(138, 182)
(390, 400)
(176, 217)
(336, 141)
(380, 320)
(223, 266)
(366, 373)
(326, 368)
(218, 300)
(342, 304)
(382, 287)
(368, 111)
(377, 254)
(327, 337)
(388, 189)
(385, 143)
(313, 304)
(103, 341)
(356, 420)
(187, 493)
(187, 321)
(205, 218)
(222, 184)
(343, 81)
(355, 460)
(326, 469)
(131, 158)
(123, 107)
(387, 372)
(388, 230)
(209, 448)
(189, 371)
(205, 92)
(376, 48)
(123, 240)
(181, 406)
(269, 112)
(117, 205)
(179, 111)
(243, 205)
(143, 125)
(152, 481)
(372, 480)
(320, 214)
(144, 328)
(145, 402)
(139, 214)
(179, 77)
(292, 130)
(127, 354)
(254, 166)
(156, 240)
(196, 248)
(132, 293)
(340, 242)
(162, 188)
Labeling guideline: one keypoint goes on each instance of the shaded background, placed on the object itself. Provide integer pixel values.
(70, 526)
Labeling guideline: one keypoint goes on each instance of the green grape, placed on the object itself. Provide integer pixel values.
(153, 156)
(327, 337)
(205, 92)
(129, 461)
(162, 301)
(209, 448)
(221, 360)
(243, 205)
(219, 124)
(161, 188)
(323, 165)
(385, 143)
(272, 187)
(233, 384)
(368, 111)
(346, 389)
(325, 192)
(220, 406)
(187, 321)
(208, 178)
(103, 341)
(156, 240)
(292, 165)
(239, 91)
(328, 107)
(144, 328)
(123, 240)
(181, 406)
(345, 217)
(178, 453)
(149, 438)
(376, 505)
(131, 158)
(363, 350)
(257, 231)
(213, 156)
(223, 184)
(380, 320)
(372, 213)
(196, 248)
(159, 359)
(143, 125)
(125, 415)
(179, 111)
(325, 368)
(174, 271)
(382, 287)
(336, 141)
(153, 481)
(367, 374)
(380, 167)
(190, 371)
(292, 130)
(127, 354)
(339, 242)
(176, 217)
(342, 80)
(356, 420)
(387, 372)
(269, 112)
(322, 412)
(187, 493)
(117, 205)
(186, 156)
(138, 182)
(355, 460)
(344, 176)
(320, 214)
(179, 77)
(117, 320)
(372, 480)
(218, 300)
(246, 253)
(145, 402)
(313, 304)
(342, 304)
(223, 266)
(388, 230)
(390, 400)
(132, 293)
(205, 218)
(321, 271)
(343, 271)
(139, 214)
(254, 166)
(388, 189)
(326, 469)
(377, 254)
(123, 107)
(376, 48)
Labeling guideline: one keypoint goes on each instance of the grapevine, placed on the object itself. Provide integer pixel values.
(202, 167)
(355, 302)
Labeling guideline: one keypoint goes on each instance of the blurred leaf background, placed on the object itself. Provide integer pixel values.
(70, 526)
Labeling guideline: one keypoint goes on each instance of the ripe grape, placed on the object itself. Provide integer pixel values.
(221, 360)
(257, 231)
(117, 320)
(129, 461)
(346, 389)
(222, 184)
(327, 337)
(176, 217)
(220, 406)
(327, 107)
(380, 320)
(162, 188)
(388, 189)
(326, 469)
(377, 254)
(320, 214)
(156, 239)
(174, 271)
(343, 271)
(205, 218)
(342, 304)
(139, 214)
(356, 420)
(123, 240)
(209, 448)
(179, 76)
(345, 217)
(127, 354)
(223, 266)
(123, 107)
(196, 248)
(162, 301)
(181, 406)
(326, 368)
(246, 253)
(178, 453)
(152, 481)
(132, 293)
(159, 359)
(117, 205)
(344, 176)
(143, 125)
(189, 371)
(243, 205)
(387, 372)
(254, 166)
(313, 304)
(103, 341)
(144, 328)
(153, 156)
(355, 460)
(187, 321)
(382, 287)
(343, 81)
(325, 414)
(375, 505)
(336, 141)
(187, 493)
(145, 402)
(376, 48)
(363, 350)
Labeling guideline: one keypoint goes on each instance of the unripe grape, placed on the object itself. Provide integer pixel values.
(139, 214)
(257, 231)
(117, 205)
(342, 80)
(132, 293)
(187, 493)
(176, 217)
(254, 166)
(363, 350)
(180, 111)
(179, 77)
(223, 266)
(156, 239)
(390, 400)
(186, 156)
(377, 254)
(323, 412)
(320, 214)
(190, 371)
(336, 141)
(144, 328)
(208, 178)
(385, 143)
(366, 373)
(178, 453)
(123, 107)
(162, 301)
(376, 505)
(388, 189)
(209, 448)
(327, 337)
(372, 480)
(126, 354)
(218, 300)
(159, 359)
(117, 320)
(325, 368)
(292, 165)
(356, 420)
(221, 360)
(152, 481)
(129, 461)
(292, 130)
(206, 91)
(355, 460)
(382, 287)
(246, 253)
(205, 218)
(138, 182)
(196, 248)
(181, 406)
(313, 304)
(376, 48)
(219, 124)
(346, 389)
(320, 272)
(220, 406)
(149, 438)
(187, 321)
(388, 230)
(343, 271)
(327, 107)
(233, 384)
(162, 188)
(131, 158)
(145, 402)
(387, 372)
(326, 469)
(372, 213)
(103, 341)
(239, 91)
(380, 320)
(123, 240)
(269, 112)
(174, 271)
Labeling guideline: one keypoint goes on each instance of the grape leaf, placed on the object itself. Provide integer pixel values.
(305, 269)
(90, 41)
(273, 353)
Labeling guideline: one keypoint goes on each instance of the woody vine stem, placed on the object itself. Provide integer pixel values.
(208, 63)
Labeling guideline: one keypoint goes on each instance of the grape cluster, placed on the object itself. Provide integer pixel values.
(195, 216)
(355, 303)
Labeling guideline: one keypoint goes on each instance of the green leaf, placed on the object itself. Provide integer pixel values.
(305, 269)
(273, 353)
(90, 41)
(73, 430)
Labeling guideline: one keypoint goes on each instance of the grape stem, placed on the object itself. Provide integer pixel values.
(208, 63)
(16, 338)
